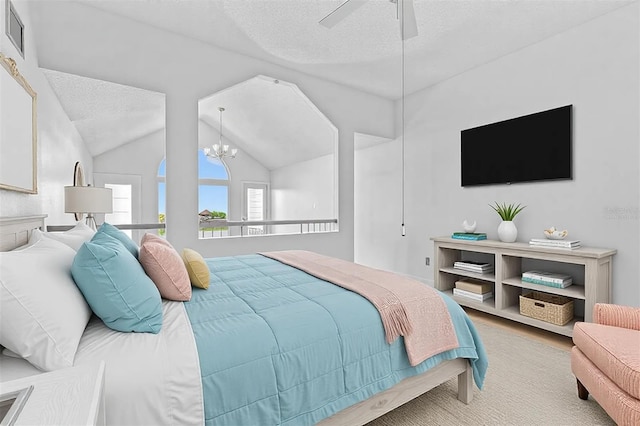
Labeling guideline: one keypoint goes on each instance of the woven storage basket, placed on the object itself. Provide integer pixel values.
(547, 307)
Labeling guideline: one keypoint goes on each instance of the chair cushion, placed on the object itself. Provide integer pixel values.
(614, 350)
(622, 407)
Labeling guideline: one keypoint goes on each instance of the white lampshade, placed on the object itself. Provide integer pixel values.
(87, 199)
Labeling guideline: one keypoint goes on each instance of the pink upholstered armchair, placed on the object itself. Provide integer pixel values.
(606, 361)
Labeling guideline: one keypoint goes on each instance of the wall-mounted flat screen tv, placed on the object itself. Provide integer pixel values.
(530, 148)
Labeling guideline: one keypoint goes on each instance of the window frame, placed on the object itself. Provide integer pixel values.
(201, 181)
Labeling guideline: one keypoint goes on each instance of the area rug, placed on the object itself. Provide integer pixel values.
(528, 383)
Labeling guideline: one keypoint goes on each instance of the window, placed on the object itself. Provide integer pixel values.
(213, 194)
(122, 206)
(126, 192)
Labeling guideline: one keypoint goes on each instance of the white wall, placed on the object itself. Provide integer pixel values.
(59, 144)
(305, 190)
(187, 70)
(595, 67)
(378, 212)
(142, 158)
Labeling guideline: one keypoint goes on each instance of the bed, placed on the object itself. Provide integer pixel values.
(265, 344)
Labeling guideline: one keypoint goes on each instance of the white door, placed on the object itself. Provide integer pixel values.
(122, 205)
(255, 205)
(127, 200)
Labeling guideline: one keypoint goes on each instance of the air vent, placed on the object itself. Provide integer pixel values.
(15, 28)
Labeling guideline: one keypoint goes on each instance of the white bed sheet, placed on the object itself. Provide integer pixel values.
(12, 368)
(150, 379)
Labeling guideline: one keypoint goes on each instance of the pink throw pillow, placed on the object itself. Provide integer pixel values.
(148, 237)
(165, 267)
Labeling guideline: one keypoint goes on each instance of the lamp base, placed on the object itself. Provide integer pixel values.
(91, 222)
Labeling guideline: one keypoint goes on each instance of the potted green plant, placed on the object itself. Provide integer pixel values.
(507, 231)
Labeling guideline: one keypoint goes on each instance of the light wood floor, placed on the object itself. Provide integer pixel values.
(547, 337)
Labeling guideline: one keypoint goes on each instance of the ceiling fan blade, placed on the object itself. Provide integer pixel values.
(341, 12)
(409, 26)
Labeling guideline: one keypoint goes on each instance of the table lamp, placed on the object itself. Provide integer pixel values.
(89, 200)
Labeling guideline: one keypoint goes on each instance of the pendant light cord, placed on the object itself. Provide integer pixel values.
(220, 109)
(402, 114)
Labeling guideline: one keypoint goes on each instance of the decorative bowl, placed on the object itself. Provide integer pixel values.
(555, 234)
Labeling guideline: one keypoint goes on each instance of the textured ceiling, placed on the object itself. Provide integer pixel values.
(363, 51)
(106, 114)
(257, 117)
(274, 122)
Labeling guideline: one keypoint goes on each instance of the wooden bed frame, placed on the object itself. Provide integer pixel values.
(15, 231)
(408, 389)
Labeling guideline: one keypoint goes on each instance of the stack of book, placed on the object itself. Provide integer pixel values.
(474, 290)
(474, 236)
(543, 242)
(549, 279)
(473, 266)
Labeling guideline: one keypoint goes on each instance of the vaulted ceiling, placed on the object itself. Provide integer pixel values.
(107, 114)
(363, 51)
(272, 120)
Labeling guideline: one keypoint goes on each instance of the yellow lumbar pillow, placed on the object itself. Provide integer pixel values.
(197, 268)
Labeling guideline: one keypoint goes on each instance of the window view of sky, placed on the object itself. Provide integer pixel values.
(210, 197)
(213, 198)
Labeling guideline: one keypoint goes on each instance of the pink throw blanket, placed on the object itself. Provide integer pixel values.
(407, 307)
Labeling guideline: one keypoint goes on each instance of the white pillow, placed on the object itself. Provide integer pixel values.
(7, 352)
(42, 312)
(74, 237)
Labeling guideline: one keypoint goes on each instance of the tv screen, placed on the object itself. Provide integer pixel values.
(524, 149)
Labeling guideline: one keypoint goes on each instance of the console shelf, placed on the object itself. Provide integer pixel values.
(594, 286)
(486, 277)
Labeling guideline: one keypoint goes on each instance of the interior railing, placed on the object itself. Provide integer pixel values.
(124, 227)
(218, 228)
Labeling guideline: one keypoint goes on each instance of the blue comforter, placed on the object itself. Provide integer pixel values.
(280, 347)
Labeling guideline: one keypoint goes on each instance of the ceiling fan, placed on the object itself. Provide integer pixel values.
(406, 15)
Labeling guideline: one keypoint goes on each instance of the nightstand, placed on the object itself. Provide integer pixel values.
(72, 396)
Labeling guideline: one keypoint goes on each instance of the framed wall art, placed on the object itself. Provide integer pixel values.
(18, 130)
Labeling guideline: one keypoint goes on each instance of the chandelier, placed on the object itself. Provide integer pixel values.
(219, 150)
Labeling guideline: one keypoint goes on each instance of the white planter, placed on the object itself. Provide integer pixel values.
(507, 231)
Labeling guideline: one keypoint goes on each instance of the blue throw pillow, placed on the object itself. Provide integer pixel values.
(111, 230)
(116, 287)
